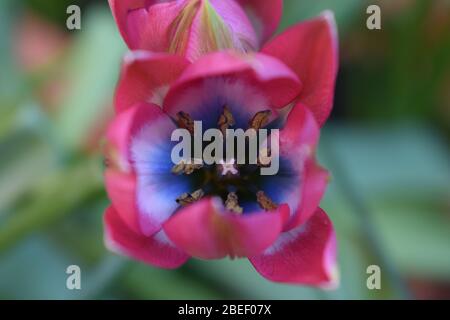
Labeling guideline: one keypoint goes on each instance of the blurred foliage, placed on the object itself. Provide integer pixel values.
(388, 139)
(55, 10)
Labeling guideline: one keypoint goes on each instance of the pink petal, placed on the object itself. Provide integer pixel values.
(186, 27)
(218, 25)
(265, 16)
(120, 177)
(305, 255)
(123, 127)
(156, 250)
(298, 140)
(135, 19)
(313, 186)
(157, 187)
(310, 49)
(120, 9)
(206, 231)
(300, 134)
(266, 74)
(121, 189)
(146, 77)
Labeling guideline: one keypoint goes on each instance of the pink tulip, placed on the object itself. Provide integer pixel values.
(195, 27)
(281, 229)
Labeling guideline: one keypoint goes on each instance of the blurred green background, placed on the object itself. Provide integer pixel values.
(387, 146)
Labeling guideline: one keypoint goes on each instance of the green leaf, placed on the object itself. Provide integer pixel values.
(25, 160)
(402, 175)
(36, 269)
(416, 235)
(392, 158)
(50, 200)
(146, 282)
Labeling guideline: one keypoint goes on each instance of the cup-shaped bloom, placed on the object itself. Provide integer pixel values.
(195, 27)
(163, 213)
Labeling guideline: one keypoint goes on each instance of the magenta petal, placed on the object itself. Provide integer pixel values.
(227, 28)
(186, 27)
(266, 74)
(123, 127)
(206, 231)
(305, 255)
(120, 9)
(121, 188)
(156, 250)
(265, 16)
(313, 187)
(298, 140)
(137, 24)
(310, 49)
(150, 28)
(120, 176)
(146, 78)
(300, 134)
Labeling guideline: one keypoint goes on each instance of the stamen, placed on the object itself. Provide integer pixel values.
(186, 168)
(188, 198)
(185, 121)
(226, 120)
(232, 203)
(260, 119)
(265, 202)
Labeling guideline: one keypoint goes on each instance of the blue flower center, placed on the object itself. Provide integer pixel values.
(236, 184)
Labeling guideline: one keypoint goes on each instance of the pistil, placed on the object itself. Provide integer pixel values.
(232, 203)
(228, 167)
(228, 173)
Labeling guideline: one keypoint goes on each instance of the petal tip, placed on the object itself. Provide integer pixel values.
(334, 279)
(330, 19)
(135, 55)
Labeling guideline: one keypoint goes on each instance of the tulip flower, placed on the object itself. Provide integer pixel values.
(163, 214)
(195, 27)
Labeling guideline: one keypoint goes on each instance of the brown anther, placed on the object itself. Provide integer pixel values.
(232, 203)
(226, 120)
(178, 168)
(188, 198)
(186, 168)
(190, 168)
(260, 119)
(265, 202)
(184, 121)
